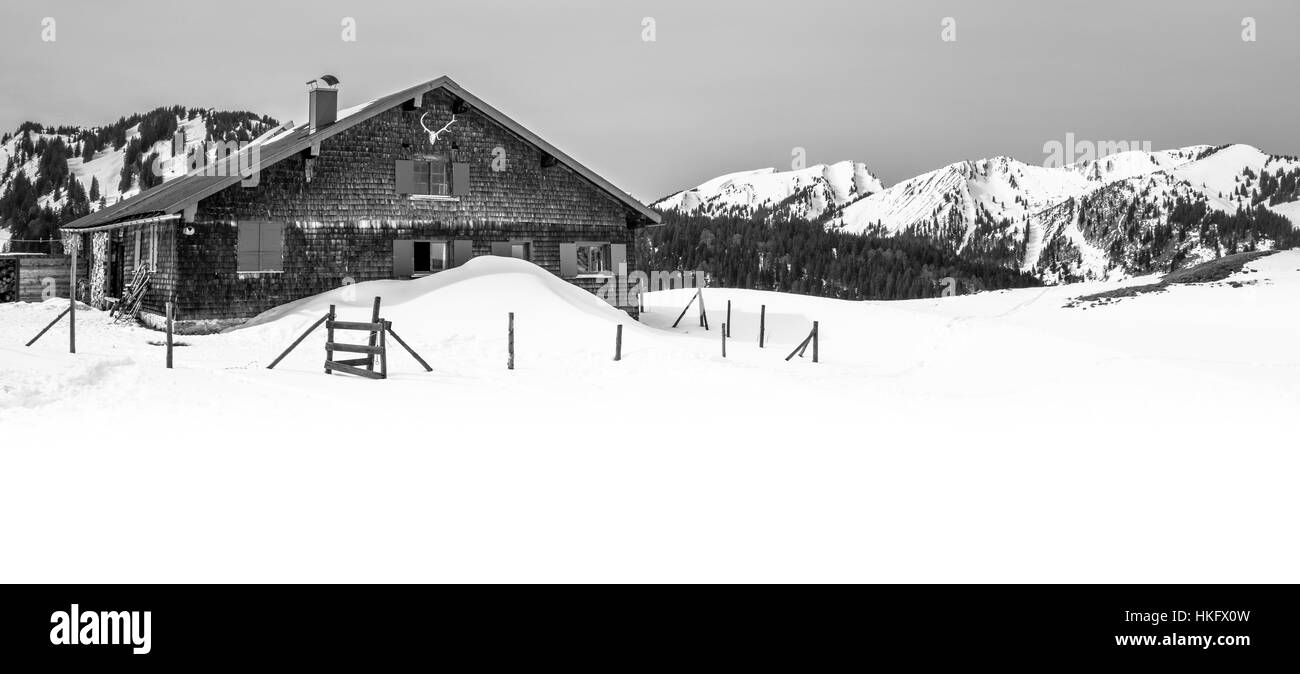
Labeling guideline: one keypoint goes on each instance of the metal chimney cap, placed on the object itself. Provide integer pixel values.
(329, 80)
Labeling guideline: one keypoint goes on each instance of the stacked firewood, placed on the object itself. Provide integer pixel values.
(9, 280)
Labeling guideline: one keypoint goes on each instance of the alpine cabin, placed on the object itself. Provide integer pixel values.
(400, 187)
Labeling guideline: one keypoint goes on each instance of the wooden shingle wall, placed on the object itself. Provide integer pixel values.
(32, 272)
(342, 223)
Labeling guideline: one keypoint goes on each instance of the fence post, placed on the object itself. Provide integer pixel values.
(724, 340)
(383, 351)
(618, 343)
(169, 335)
(374, 338)
(815, 331)
(704, 314)
(728, 324)
(762, 324)
(329, 339)
(510, 342)
(72, 308)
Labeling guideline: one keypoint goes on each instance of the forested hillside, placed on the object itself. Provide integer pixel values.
(793, 255)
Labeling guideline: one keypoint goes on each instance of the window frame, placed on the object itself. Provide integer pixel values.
(426, 191)
(447, 255)
(606, 261)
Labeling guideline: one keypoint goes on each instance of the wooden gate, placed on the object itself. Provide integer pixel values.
(375, 346)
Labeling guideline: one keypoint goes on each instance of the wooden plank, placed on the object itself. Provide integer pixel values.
(351, 369)
(408, 349)
(329, 338)
(72, 305)
(374, 318)
(802, 345)
(704, 313)
(762, 324)
(510, 344)
(47, 328)
(169, 335)
(618, 343)
(353, 361)
(686, 308)
(354, 348)
(352, 325)
(383, 353)
(298, 341)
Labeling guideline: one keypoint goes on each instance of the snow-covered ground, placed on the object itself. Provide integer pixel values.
(994, 437)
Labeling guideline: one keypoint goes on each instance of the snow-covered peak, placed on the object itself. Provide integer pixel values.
(808, 192)
(1136, 163)
(1221, 171)
(1003, 187)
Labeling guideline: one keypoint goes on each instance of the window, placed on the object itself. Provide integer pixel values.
(430, 257)
(260, 247)
(424, 257)
(432, 175)
(519, 249)
(593, 258)
(146, 252)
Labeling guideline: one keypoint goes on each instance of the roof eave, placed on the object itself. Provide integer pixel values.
(293, 146)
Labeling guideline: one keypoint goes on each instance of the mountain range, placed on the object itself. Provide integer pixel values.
(1126, 213)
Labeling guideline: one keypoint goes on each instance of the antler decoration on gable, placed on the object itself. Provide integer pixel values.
(433, 135)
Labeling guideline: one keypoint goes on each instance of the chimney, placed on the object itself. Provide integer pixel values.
(322, 104)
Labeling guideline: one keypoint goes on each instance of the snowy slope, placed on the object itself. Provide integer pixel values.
(1001, 187)
(105, 166)
(806, 193)
(920, 449)
(1218, 175)
(1142, 205)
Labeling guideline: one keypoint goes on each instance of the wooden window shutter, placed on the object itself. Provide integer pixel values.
(568, 260)
(501, 248)
(135, 261)
(271, 246)
(459, 179)
(246, 243)
(617, 256)
(461, 251)
(403, 258)
(405, 176)
(153, 248)
(250, 235)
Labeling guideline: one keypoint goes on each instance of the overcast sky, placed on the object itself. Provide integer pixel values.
(725, 86)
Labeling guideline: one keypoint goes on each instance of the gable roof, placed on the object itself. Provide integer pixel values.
(174, 195)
